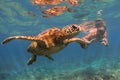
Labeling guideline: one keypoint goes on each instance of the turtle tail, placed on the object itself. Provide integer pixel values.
(31, 38)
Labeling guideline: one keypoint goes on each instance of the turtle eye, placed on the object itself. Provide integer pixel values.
(74, 27)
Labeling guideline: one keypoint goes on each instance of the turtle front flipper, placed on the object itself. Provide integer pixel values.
(82, 43)
(32, 59)
(105, 39)
(31, 38)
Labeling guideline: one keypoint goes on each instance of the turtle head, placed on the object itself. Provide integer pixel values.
(72, 29)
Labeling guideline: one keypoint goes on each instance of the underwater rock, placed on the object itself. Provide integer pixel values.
(73, 2)
(77, 73)
(44, 2)
(4, 76)
(55, 11)
(104, 77)
(54, 2)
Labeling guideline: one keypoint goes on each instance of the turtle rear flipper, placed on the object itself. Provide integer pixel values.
(49, 57)
(32, 59)
(82, 43)
(31, 38)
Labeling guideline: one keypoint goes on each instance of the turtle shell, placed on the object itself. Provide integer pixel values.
(50, 37)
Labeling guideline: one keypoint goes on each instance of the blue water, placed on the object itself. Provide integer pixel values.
(97, 62)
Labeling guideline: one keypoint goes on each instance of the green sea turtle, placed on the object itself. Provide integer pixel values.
(50, 41)
(54, 39)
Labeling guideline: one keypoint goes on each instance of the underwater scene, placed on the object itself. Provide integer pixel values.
(66, 38)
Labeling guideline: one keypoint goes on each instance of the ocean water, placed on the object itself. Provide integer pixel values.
(97, 62)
